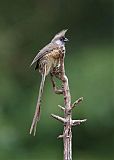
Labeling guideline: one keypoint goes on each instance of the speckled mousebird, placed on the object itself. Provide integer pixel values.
(46, 60)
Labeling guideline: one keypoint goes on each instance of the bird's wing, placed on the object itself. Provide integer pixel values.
(43, 52)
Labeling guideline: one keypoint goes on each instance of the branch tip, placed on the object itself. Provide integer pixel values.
(62, 108)
(77, 122)
(58, 118)
(60, 136)
(77, 102)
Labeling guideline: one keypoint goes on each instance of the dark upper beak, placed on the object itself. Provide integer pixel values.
(66, 39)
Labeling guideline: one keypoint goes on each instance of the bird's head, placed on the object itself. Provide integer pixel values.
(60, 38)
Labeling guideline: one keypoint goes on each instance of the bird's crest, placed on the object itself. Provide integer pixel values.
(60, 34)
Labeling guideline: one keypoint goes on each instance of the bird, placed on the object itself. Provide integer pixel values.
(46, 59)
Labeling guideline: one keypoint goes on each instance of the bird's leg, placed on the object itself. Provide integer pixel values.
(55, 89)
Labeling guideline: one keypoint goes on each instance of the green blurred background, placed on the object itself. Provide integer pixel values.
(25, 27)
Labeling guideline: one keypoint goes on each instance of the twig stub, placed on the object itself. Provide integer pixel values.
(63, 120)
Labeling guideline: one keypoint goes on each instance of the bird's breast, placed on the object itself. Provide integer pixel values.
(51, 59)
(54, 54)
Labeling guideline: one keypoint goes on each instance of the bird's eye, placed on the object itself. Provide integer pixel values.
(62, 39)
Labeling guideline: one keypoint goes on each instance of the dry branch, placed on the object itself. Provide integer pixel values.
(67, 120)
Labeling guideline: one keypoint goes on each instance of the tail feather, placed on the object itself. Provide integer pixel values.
(37, 111)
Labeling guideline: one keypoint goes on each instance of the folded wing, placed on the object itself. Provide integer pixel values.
(43, 52)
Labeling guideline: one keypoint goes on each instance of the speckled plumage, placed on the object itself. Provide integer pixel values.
(47, 59)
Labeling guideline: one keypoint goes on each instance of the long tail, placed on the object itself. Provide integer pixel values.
(37, 111)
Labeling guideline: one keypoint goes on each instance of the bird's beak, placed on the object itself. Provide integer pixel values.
(66, 39)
